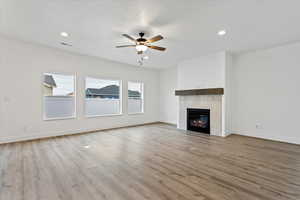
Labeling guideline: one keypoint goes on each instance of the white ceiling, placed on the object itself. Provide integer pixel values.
(189, 27)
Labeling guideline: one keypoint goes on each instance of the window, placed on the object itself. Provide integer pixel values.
(135, 97)
(59, 96)
(102, 97)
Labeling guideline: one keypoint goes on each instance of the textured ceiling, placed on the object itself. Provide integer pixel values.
(189, 27)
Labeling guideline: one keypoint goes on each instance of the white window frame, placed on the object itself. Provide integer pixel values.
(142, 98)
(120, 97)
(75, 96)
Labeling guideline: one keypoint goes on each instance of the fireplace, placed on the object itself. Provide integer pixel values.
(198, 120)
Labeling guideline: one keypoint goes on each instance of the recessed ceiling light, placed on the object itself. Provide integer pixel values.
(64, 34)
(87, 146)
(222, 32)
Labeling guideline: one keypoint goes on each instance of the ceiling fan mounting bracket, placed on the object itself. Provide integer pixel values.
(141, 34)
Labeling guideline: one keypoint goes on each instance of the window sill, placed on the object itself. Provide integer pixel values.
(137, 113)
(108, 115)
(59, 118)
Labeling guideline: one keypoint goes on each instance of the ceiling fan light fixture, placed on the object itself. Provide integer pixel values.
(64, 34)
(141, 47)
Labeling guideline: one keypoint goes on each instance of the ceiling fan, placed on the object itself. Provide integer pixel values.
(142, 44)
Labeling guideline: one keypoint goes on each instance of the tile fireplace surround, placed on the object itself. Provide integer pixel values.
(211, 99)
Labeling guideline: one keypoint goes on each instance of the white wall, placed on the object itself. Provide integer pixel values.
(228, 97)
(22, 66)
(203, 72)
(263, 87)
(266, 93)
(168, 100)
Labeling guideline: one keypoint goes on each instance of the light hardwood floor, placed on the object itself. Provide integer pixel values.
(149, 162)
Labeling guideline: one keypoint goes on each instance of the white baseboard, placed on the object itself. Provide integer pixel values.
(14, 139)
(168, 123)
(269, 137)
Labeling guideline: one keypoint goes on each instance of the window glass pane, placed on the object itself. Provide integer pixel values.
(135, 97)
(102, 97)
(59, 96)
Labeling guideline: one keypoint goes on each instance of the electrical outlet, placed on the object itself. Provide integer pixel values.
(27, 129)
(6, 100)
(258, 126)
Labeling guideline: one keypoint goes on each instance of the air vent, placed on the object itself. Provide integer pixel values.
(66, 44)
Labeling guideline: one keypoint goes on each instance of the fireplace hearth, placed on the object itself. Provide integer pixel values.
(198, 120)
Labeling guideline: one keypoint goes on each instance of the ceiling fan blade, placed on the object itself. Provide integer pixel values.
(156, 38)
(129, 37)
(157, 48)
(125, 46)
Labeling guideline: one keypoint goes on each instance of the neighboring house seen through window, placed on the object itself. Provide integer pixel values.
(102, 97)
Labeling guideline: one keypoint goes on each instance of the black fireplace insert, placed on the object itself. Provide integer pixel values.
(198, 120)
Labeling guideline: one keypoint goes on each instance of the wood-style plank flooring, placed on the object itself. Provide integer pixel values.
(154, 162)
